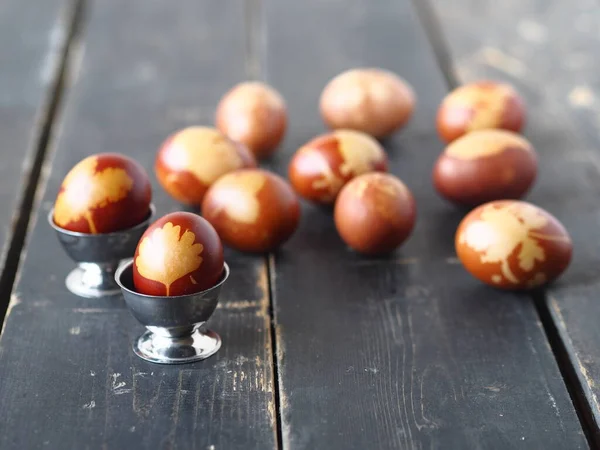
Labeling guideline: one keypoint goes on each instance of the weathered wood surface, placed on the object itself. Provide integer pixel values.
(68, 378)
(33, 37)
(406, 352)
(549, 51)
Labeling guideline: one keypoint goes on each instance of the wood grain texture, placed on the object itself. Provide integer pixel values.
(33, 39)
(407, 351)
(68, 377)
(549, 51)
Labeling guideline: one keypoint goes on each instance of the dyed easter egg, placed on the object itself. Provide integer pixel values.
(192, 159)
(253, 210)
(179, 254)
(512, 244)
(103, 193)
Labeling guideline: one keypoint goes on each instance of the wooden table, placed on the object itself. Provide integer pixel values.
(322, 349)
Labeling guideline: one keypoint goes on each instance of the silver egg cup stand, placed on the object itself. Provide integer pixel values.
(175, 324)
(98, 256)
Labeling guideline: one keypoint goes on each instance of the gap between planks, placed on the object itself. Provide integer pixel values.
(255, 36)
(59, 69)
(575, 387)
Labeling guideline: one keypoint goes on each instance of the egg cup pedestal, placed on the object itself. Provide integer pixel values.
(175, 324)
(98, 256)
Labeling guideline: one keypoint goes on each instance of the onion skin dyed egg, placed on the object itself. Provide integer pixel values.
(371, 100)
(375, 213)
(252, 210)
(485, 165)
(179, 254)
(103, 193)
(190, 160)
(512, 244)
(254, 114)
(478, 106)
(320, 168)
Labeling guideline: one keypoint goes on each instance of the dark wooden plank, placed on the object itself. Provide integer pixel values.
(410, 351)
(68, 378)
(550, 54)
(33, 42)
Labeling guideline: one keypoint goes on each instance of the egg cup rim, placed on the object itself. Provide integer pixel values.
(129, 263)
(144, 223)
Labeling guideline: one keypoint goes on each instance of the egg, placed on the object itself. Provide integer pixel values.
(372, 100)
(253, 210)
(485, 165)
(190, 160)
(477, 106)
(320, 168)
(375, 213)
(512, 244)
(254, 114)
(179, 254)
(103, 193)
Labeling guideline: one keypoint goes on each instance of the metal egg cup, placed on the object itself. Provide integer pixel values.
(98, 256)
(175, 324)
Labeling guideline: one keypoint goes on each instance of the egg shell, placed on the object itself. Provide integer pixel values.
(103, 193)
(485, 165)
(254, 114)
(482, 105)
(372, 100)
(375, 213)
(179, 254)
(253, 210)
(190, 160)
(512, 244)
(320, 168)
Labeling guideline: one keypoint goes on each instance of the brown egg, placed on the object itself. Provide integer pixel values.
(485, 165)
(375, 213)
(372, 100)
(252, 210)
(511, 244)
(254, 114)
(192, 159)
(478, 106)
(103, 193)
(179, 254)
(321, 167)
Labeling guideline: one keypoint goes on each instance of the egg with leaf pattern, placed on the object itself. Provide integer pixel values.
(513, 244)
(103, 193)
(477, 106)
(485, 165)
(192, 159)
(322, 166)
(253, 210)
(179, 254)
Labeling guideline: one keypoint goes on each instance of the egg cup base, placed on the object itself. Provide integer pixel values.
(159, 348)
(91, 280)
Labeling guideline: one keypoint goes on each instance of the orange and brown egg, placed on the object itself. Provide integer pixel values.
(512, 244)
(254, 114)
(373, 100)
(375, 213)
(252, 210)
(103, 193)
(320, 168)
(478, 106)
(485, 165)
(179, 254)
(190, 160)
